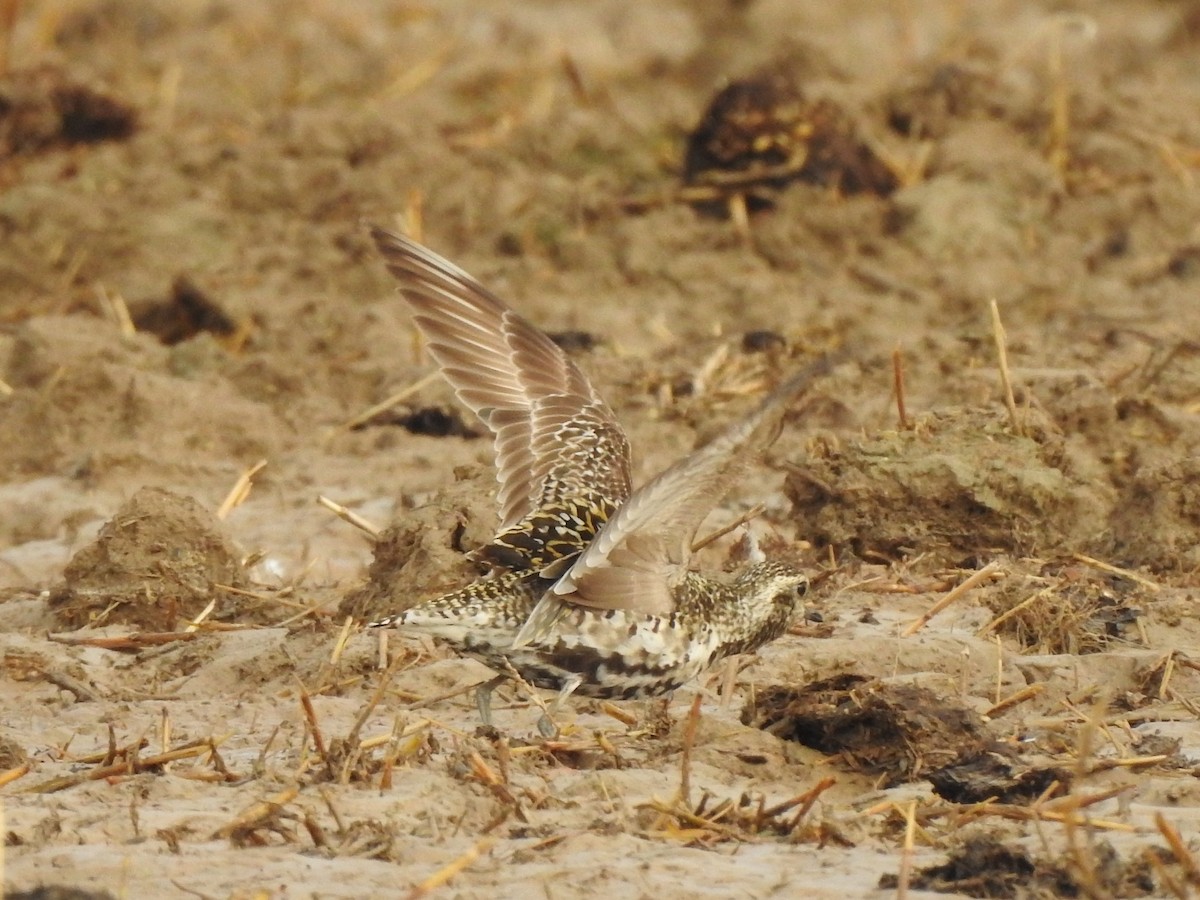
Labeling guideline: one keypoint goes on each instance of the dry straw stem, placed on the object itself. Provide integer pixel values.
(486, 775)
(752, 513)
(130, 765)
(388, 402)
(731, 820)
(240, 491)
(805, 801)
(132, 643)
(1026, 693)
(343, 638)
(1179, 849)
(306, 611)
(529, 690)
(1168, 669)
(685, 762)
(10, 11)
(257, 813)
(953, 595)
(353, 518)
(719, 186)
(10, 775)
(1177, 890)
(82, 692)
(195, 624)
(314, 728)
(369, 707)
(1005, 377)
(906, 856)
(445, 874)
(1009, 613)
(1081, 852)
(1128, 762)
(615, 712)
(164, 732)
(729, 673)
(1058, 149)
(1063, 810)
(739, 215)
(702, 827)
(1117, 570)
(898, 389)
(116, 309)
(419, 702)
(168, 93)
(413, 224)
(413, 74)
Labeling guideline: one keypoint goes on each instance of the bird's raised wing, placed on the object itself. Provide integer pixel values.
(642, 552)
(558, 445)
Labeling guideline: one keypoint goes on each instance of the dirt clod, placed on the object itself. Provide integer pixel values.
(961, 483)
(986, 867)
(760, 133)
(186, 313)
(43, 107)
(899, 731)
(161, 558)
(424, 552)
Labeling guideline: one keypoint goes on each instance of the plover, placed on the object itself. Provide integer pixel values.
(589, 589)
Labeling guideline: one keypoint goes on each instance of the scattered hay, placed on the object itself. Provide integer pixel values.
(712, 820)
(273, 821)
(161, 558)
(117, 761)
(1076, 613)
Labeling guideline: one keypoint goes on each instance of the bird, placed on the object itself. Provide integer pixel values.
(588, 589)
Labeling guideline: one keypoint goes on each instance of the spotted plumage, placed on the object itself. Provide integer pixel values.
(590, 590)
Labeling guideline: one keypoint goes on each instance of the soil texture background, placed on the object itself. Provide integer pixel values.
(991, 210)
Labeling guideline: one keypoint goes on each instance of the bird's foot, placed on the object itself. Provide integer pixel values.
(483, 698)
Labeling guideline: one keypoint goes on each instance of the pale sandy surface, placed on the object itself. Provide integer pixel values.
(267, 131)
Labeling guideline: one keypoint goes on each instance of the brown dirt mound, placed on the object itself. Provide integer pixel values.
(42, 108)
(985, 867)
(162, 557)
(1159, 520)
(957, 483)
(423, 552)
(900, 731)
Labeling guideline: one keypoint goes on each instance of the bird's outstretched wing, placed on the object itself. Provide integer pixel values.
(562, 460)
(642, 552)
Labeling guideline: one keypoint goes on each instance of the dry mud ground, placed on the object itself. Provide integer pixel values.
(205, 165)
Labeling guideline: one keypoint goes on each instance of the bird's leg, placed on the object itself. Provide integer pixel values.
(483, 698)
(545, 725)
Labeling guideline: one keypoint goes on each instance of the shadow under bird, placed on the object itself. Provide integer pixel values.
(589, 589)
